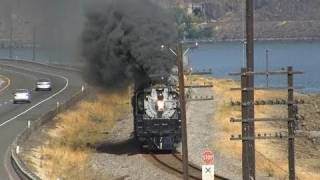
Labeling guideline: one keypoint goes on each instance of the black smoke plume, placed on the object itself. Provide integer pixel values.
(122, 41)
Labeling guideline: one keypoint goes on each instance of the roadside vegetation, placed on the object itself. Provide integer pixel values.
(190, 26)
(66, 154)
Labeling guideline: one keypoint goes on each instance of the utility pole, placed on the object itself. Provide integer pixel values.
(183, 112)
(34, 43)
(245, 124)
(11, 38)
(267, 67)
(292, 120)
(249, 149)
(291, 134)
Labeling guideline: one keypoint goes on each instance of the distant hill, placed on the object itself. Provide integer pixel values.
(285, 19)
(274, 10)
(274, 19)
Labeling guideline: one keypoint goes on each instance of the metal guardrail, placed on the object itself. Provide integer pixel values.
(75, 68)
(18, 165)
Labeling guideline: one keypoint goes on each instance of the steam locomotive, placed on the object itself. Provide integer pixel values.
(157, 119)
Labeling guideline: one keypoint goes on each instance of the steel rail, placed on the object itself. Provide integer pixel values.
(173, 163)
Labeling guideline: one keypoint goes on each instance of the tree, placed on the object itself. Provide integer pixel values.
(189, 26)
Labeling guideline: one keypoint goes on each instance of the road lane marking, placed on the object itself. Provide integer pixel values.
(34, 106)
(50, 97)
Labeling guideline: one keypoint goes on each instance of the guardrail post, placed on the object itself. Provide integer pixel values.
(58, 105)
(29, 124)
(18, 149)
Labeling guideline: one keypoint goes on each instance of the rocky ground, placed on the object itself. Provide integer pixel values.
(119, 157)
(121, 154)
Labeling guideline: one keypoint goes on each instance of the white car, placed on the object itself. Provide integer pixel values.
(43, 84)
(22, 95)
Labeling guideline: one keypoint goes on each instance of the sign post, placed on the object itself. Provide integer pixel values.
(208, 165)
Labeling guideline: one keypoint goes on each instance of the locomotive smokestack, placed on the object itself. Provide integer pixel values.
(122, 38)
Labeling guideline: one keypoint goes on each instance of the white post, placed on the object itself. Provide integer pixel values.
(82, 88)
(18, 149)
(29, 124)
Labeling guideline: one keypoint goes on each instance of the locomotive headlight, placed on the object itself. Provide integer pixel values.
(160, 105)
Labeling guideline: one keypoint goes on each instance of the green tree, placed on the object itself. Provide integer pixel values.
(189, 25)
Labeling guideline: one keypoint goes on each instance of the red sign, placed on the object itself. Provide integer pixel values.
(207, 157)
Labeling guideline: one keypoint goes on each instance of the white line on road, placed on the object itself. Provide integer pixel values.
(34, 106)
(52, 96)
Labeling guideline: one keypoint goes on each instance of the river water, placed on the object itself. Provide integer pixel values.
(226, 57)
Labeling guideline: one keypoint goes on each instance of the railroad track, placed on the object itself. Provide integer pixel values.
(172, 163)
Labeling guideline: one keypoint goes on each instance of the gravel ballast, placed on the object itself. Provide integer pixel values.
(119, 156)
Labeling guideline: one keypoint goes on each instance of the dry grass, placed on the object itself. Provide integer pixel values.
(271, 156)
(66, 155)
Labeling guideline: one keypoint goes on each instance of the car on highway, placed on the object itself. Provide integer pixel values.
(22, 95)
(43, 85)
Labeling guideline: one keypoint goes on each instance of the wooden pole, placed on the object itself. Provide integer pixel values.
(183, 113)
(291, 116)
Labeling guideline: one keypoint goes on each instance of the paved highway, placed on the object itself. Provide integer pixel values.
(14, 117)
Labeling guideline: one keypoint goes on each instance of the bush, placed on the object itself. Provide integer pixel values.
(189, 26)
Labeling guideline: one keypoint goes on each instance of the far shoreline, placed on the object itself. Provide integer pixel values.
(299, 91)
(214, 40)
